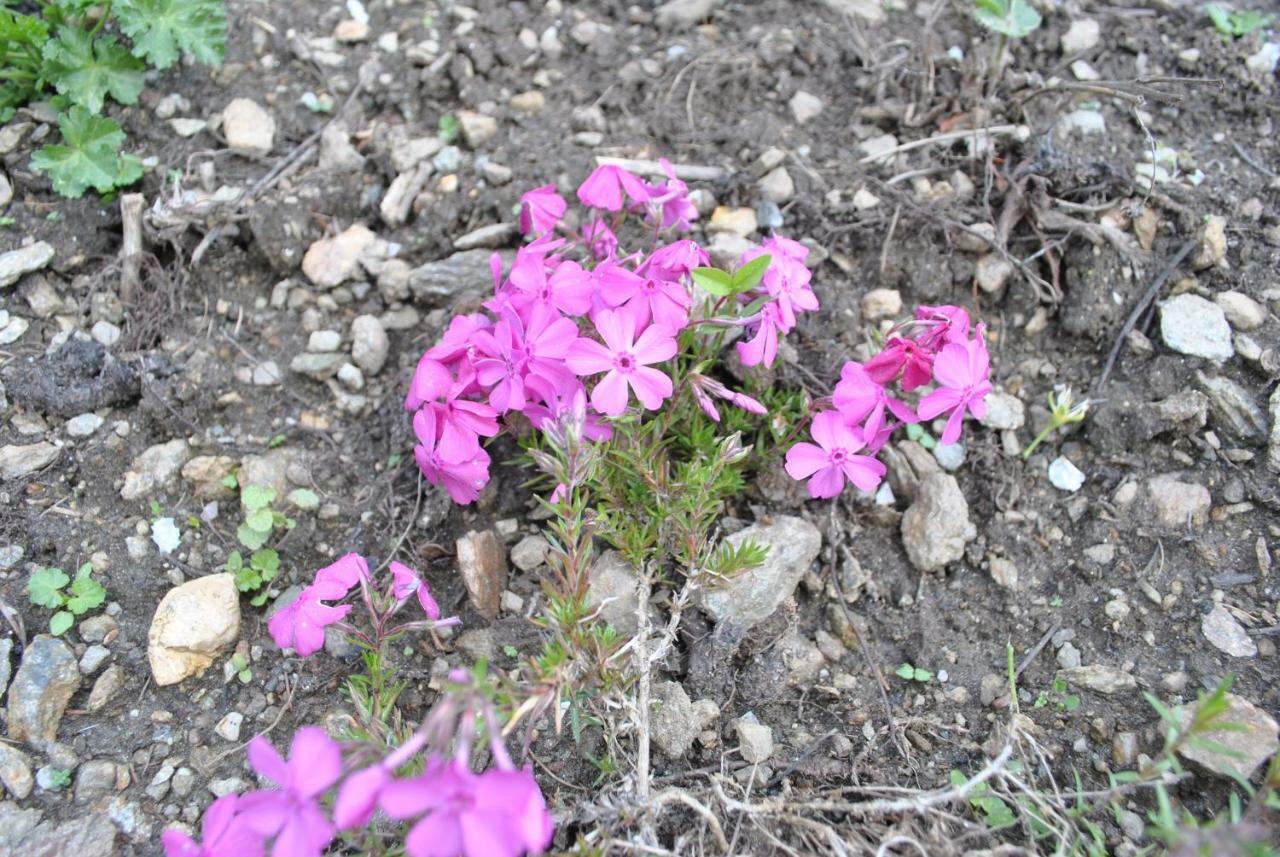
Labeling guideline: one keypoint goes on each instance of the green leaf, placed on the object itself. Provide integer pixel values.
(713, 281)
(89, 156)
(87, 70)
(61, 623)
(748, 276)
(230, 481)
(261, 520)
(906, 671)
(304, 498)
(86, 593)
(257, 601)
(267, 562)
(235, 562)
(1012, 18)
(43, 586)
(251, 538)
(922, 675)
(1221, 19)
(449, 128)
(247, 579)
(161, 30)
(256, 497)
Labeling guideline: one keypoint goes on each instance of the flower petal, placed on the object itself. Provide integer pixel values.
(651, 386)
(805, 459)
(826, 483)
(316, 761)
(610, 395)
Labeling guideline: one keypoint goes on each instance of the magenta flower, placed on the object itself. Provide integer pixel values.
(463, 473)
(607, 186)
(431, 381)
(597, 235)
(458, 341)
(567, 290)
(961, 369)
(833, 460)
(358, 795)
(705, 388)
(861, 401)
(666, 302)
(333, 582)
(517, 349)
(786, 279)
(541, 209)
(669, 203)
(300, 625)
(942, 324)
(224, 834)
(496, 814)
(762, 347)
(290, 812)
(625, 358)
(673, 261)
(905, 356)
(405, 582)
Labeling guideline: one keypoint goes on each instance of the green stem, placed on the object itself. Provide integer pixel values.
(102, 19)
(1026, 453)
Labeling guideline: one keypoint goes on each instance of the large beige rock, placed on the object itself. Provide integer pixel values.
(248, 127)
(193, 623)
(330, 262)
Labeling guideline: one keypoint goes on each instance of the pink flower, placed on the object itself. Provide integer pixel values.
(358, 795)
(405, 582)
(673, 261)
(626, 360)
(669, 202)
(458, 341)
(290, 812)
(942, 324)
(567, 290)
(828, 464)
(517, 349)
(600, 238)
(861, 400)
(463, 475)
(300, 625)
(651, 297)
(431, 381)
(608, 184)
(497, 814)
(762, 347)
(704, 388)
(786, 279)
(541, 209)
(333, 582)
(900, 354)
(225, 834)
(961, 368)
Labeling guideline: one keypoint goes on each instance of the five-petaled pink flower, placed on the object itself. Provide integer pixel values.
(541, 209)
(861, 401)
(608, 186)
(905, 356)
(290, 813)
(833, 459)
(300, 625)
(405, 582)
(626, 359)
(961, 370)
(498, 813)
(223, 834)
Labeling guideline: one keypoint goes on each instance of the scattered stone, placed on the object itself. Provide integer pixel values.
(106, 687)
(96, 778)
(248, 127)
(467, 271)
(674, 724)
(1212, 250)
(529, 553)
(18, 461)
(229, 726)
(206, 474)
(738, 221)
(1178, 504)
(192, 623)
(1233, 408)
(332, 261)
(531, 102)
(477, 128)
(864, 200)
(154, 469)
(805, 106)
(881, 144)
(12, 328)
(406, 155)
(613, 591)
(755, 740)
(936, 527)
(496, 173)
(318, 366)
(589, 117)
(1263, 63)
(93, 657)
(777, 186)
(483, 564)
(683, 14)
(1005, 412)
(1083, 122)
(871, 11)
(1102, 554)
(1102, 679)
(992, 272)
(46, 679)
(748, 599)
(1068, 656)
(881, 303)
(369, 344)
(1273, 442)
(1004, 572)
(1065, 476)
(351, 376)
(337, 154)
(92, 835)
(494, 235)
(324, 341)
(350, 31)
(1082, 35)
(15, 771)
(1242, 311)
(17, 263)
(1189, 324)
(83, 425)
(950, 456)
(1238, 752)
(1226, 633)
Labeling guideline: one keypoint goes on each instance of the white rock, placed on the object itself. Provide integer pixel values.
(330, 262)
(755, 740)
(324, 340)
(881, 303)
(805, 106)
(369, 344)
(864, 199)
(248, 127)
(229, 726)
(1242, 311)
(1189, 324)
(1005, 412)
(351, 376)
(1263, 63)
(950, 456)
(83, 425)
(266, 374)
(18, 461)
(992, 272)
(13, 330)
(165, 534)
(17, 263)
(477, 128)
(1082, 35)
(1083, 122)
(192, 623)
(682, 14)
(1065, 475)
(105, 333)
(777, 186)
(881, 144)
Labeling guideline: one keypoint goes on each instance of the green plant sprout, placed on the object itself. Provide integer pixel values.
(1012, 19)
(448, 128)
(240, 664)
(45, 589)
(1063, 410)
(260, 522)
(921, 436)
(1236, 23)
(1057, 694)
(907, 672)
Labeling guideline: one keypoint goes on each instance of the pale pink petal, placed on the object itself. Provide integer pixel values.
(489, 836)
(951, 366)
(267, 761)
(437, 835)
(655, 345)
(316, 761)
(828, 429)
(178, 844)
(864, 471)
(650, 385)
(939, 401)
(951, 433)
(587, 357)
(805, 459)
(358, 796)
(826, 483)
(610, 395)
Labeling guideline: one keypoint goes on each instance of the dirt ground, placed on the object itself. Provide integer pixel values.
(1129, 580)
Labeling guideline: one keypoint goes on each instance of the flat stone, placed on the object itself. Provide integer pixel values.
(739, 221)
(1105, 680)
(530, 102)
(1082, 35)
(15, 771)
(16, 264)
(777, 186)
(1246, 748)
(1189, 324)
(477, 128)
(248, 127)
(494, 235)
(805, 106)
(106, 687)
(317, 366)
(18, 461)
(228, 727)
(266, 374)
(1273, 440)
(95, 778)
(936, 527)
(83, 425)
(870, 11)
(207, 473)
(483, 564)
(467, 271)
(1065, 476)
(992, 272)
(46, 679)
(529, 553)
(1178, 505)
(92, 835)
(673, 723)
(881, 303)
(1005, 412)
(154, 469)
(332, 261)
(369, 344)
(683, 14)
(612, 590)
(193, 623)
(407, 154)
(1242, 311)
(755, 740)
(1233, 408)
(751, 597)
(1226, 633)
(337, 154)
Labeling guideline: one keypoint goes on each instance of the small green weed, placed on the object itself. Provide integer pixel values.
(1235, 24)
(45, 588)
(260, 522)
(907, 672)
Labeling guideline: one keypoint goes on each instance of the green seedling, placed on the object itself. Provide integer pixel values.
(1063, 411)
(723, 284)
(1235, 24)
(449, 128)
(1057, 694)
(240, 664)
(45, 588)
(1012, 19)
(260, 523)
(251, 576)
(909, 673)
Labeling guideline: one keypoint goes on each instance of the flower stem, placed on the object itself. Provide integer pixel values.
(1031, 447)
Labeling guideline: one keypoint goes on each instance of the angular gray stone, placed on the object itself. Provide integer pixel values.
(1178, 505)
(1226, 633)
(674, 724)
(46, 679)
(154, 469)
(20, 461)
(1247, 748)
(369, 344)
(936, 527)
(1273, 441)
(1189, 324)
(1005, 412)
(1102, 679)
(106, 687)
(1233, 409)
(96, 778)
(752, 596)
(317, 366)
(494, 235)
(17, 263)
(529, 553)
(467, 271)
(683, 14)
(92, 835)
(613, 590)
(755, 740)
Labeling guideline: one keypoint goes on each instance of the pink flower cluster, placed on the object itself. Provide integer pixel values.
(938, 348)
(574, 319)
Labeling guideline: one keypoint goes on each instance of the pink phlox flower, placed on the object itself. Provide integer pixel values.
(962, 372)
(777, 245)
(669, 203)
(222, 831)
(358, 796)
(833, 460)
(541, 209)
(600, 239)
(462, 471)
(458, 341)
(674, 261)
(905, 356)
(300, 624)
(567, 289)
(496, 814)
(861, 401)
(786, 279)
(515, 349)
(290, 812)
(333, 582)
(405, 582)
(626, 359)
(762, 347)
(666, 302)
(609, 186)
(431, 381)
(704, 387)
(942, 324)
